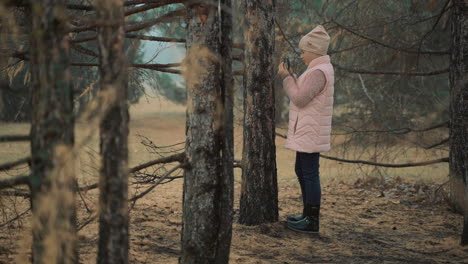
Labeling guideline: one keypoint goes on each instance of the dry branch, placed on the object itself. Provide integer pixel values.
(15, 138)
(443, 71)
(136, 197)
(152, 38)
(180, 157)
(399, 131)
(12, 182)
(10, 165)
(438, 143)
(150, 6)
(15, 193)
(15, 218)
(389, 46)
(134, 27)
(403, 165)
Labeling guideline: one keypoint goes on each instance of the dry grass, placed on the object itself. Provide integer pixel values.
(155, 220)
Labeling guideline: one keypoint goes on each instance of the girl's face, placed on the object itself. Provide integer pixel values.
(307, 57)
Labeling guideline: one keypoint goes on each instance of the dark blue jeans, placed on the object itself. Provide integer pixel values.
(307, 171)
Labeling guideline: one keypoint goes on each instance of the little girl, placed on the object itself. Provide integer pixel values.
(310, 116)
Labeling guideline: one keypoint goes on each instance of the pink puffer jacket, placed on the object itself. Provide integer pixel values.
(311, 107)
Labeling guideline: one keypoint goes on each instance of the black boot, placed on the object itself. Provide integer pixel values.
(310, 222)
(297, 217)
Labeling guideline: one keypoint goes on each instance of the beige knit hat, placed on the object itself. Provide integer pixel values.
(316, 41)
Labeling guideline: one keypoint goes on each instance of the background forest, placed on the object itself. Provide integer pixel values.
(152, 131)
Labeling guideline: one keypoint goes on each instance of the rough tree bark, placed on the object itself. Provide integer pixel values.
(52, 137)
(259, 193)
(459, 110)
(226, 135)
(208, 179)
(113, 182)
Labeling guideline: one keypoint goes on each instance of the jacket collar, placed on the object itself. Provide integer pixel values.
(320, 60)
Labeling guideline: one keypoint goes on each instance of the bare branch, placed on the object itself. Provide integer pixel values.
(179, 157)
(389, 46)
(165, 18)
(87, 222)
(404, 130)
(438, 144)
(444, 9)
(157, 66)
(12, 182)
(15, 218)
(286, 38)
(416, 164)
(444, 71)
(15, 138)
(88, 187)
(152, 38)
(10, 165)
(154, 67)
(16, 193)
(148, 6)
(136, 197)
(403, 165)
(83, 50)
(130, 28)
(139, 2)
(80, 7)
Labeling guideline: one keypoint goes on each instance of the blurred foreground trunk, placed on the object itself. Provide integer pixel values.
(113, 182)
(208, 179)
(459, 111)
(52, 137)
(259, 193)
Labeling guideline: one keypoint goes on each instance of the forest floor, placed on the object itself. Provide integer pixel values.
(368, 215)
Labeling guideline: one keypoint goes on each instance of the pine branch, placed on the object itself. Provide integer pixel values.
(15, 193)
(359, 71)
(444, 53)
(403, 165)
(152, 38)
(179, 157)
(129, 28)
(149, 6)
(157, 3)
(12, 182)
(10, 165)
(399, 131)
(15, 218)
(14, 138)
(149, 189)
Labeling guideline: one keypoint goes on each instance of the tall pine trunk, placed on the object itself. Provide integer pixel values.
(226, 135)
(459, 110)
(52, 137)
(259, 193)
(208, 179)
(113, 182)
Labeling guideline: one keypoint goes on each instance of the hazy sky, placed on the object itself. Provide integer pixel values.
(162, 52)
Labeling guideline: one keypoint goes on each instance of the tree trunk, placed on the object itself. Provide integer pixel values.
(208, 180)
(52, 137)
(259, 193)
(113, 182)
(226, 136)
(459, 110)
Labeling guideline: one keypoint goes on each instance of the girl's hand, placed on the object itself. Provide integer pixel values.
(282, 71)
